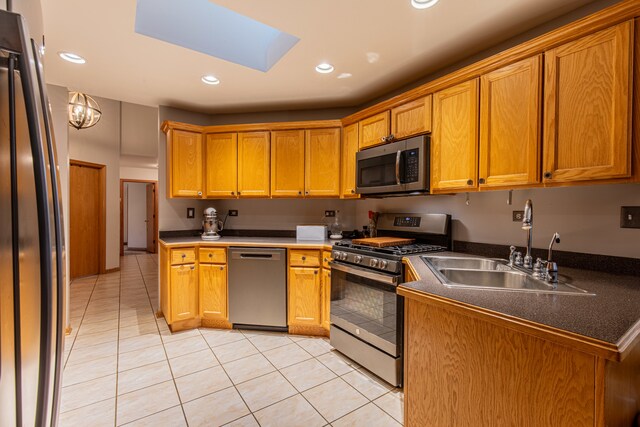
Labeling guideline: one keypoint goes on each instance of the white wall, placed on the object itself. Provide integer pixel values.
(136, 215)
(587, 217)
(101, 144)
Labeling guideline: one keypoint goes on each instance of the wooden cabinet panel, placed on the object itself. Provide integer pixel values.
(460, 371)
(587, 107)
(287, 163)
(183, 256)
(454, 143)
(185, 164)
(510, 124)
(213, 255)
(326, 299)
(183, 292)
(304, 258)
(349, 150)
(253, 164)
(304, 296)
(322, 152)
(372, 130)
(326, 259)
(213, 291)
(222, 165)
(412, 118)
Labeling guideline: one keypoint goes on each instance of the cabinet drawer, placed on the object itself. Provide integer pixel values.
(183, 256)
(213, 255)
(304, 258)
(326, 257)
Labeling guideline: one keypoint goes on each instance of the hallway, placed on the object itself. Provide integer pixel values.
(124, 366)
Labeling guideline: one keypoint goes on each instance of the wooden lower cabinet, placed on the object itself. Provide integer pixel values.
(183, 291)
(213, 292)
(304, 296)
(464, 368)
(326, 299)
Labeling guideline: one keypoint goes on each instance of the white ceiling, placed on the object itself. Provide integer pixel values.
(408, 43)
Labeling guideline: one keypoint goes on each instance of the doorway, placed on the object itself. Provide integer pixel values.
(138, 216)
(87, 224)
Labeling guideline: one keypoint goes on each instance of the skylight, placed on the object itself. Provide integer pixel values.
(214, 30)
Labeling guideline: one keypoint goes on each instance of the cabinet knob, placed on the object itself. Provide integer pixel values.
(304, 258)
(299, 192)
(193, 267)
(210, 255)
(239, 193)
(306, 192)
(481, 181)
(315, 272)
(353, 191)
(233, 193)
(184, 255)
(221, 268)
(547, 175)
(469, 182)
(326, 260)
(199, 193)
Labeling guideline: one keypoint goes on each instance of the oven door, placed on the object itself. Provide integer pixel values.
(364, 303)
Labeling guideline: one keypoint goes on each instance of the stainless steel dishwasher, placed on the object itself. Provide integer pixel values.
(258, 288)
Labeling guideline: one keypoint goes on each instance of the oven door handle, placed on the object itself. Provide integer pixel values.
(383, 278)
(398, 154)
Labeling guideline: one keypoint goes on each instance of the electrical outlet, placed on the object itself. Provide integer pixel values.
(518, 215)
(191, 212)
(329, 214)
(233, 212)
(630, 217)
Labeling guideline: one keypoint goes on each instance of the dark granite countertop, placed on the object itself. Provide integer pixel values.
(248, 241)
(609, 316)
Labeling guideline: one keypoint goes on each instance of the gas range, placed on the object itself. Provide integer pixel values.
(432, 233)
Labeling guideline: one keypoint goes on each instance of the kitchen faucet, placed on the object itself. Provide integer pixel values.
(527, 224)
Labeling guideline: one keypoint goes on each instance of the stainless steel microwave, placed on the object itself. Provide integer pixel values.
(395, 169)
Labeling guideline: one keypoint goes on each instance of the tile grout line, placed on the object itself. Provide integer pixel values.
(115, 412)
(84, 312)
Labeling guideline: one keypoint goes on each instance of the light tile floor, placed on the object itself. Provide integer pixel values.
(125, 367)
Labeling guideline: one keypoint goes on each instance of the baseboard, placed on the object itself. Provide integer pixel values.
(111, 270)
(308, 330)
(216, 323)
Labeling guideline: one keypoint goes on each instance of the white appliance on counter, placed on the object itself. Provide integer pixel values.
(311, 232)
(211, 225)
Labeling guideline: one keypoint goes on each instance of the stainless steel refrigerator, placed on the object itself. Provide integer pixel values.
(31, 237)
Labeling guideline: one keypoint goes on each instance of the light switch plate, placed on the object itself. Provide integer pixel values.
(630, 217)
(329, 214)
(233, 212)
(191, 212)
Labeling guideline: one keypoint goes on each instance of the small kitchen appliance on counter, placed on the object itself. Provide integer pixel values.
(367, 320)
(211, 225)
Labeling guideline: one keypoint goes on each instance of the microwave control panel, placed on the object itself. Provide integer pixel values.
(412, 163)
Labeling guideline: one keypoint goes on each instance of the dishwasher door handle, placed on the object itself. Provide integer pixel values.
(256, 255)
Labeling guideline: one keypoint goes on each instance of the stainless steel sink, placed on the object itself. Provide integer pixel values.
(492, 274)
(465, 263)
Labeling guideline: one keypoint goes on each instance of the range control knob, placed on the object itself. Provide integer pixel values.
(383, 264)
(357, 259)
(343, 256)
(334, 254)
(373, 262)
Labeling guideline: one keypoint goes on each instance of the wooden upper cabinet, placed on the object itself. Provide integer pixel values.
(322, 151)
(185, 163)
(588, 99)
(287, 163)
(221, 171)
(349, 150)
(304, 296)
(412, 118)
(253, 164)
(372, 130)
(454, 142)
(510, 125)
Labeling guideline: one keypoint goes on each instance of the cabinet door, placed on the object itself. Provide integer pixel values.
(372, 130)
(222, 165)
(304, 296)
(412, 118)
(322, 151)
(213, 291)
(185, 167)
(287, 163)
(587, 107)
(253, 164)
(184, 292)
(454, 144)
(349, 150)
(326, 298)
(510, 125)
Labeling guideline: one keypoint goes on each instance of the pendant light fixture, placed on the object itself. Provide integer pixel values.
(84, 112)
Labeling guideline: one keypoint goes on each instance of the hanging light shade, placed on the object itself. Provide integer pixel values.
(84, 111)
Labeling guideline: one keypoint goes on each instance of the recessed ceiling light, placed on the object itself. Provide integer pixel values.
(324, 68)
(72, 57)
(210, 80)
(423, 4)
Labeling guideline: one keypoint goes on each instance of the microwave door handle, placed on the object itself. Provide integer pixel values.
(398, 154)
